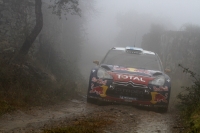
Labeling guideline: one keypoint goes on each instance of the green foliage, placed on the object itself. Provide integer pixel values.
(27, 85)
(190, 102)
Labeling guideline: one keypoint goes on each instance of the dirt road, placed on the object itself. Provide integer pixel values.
(127, 118)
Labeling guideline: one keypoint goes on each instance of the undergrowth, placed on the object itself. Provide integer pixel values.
(25, 85)
(189, 103)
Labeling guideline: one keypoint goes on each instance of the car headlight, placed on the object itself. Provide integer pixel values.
(159, 81)
(102, 73)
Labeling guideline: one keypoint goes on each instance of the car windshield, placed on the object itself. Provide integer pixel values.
(140, 61)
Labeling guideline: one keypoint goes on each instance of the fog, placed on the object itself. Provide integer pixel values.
(47, 50)
(123, 23)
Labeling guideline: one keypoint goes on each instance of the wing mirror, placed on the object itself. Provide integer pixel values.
(96, 62)
(167, 70)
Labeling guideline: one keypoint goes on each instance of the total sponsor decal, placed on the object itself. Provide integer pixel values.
(130, 77)
(99, 81)
(131, 69)
(160, 88)
(134, 78)
(99, 90)
(157, 97)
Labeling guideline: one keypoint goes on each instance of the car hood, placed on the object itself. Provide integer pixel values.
(134, 71)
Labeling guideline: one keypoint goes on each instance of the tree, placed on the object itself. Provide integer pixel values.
(38, 27)
(68, 6)
(152, 40)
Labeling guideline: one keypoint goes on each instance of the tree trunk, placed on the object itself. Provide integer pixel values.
(38, 27)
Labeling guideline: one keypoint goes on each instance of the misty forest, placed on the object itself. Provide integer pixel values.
(47, 49)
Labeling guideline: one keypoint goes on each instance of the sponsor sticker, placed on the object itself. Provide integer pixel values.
(127, 99)
(160, 88)
(157, 97)
(99, 90)
(99, 81)
(130, 77)
(131, 69)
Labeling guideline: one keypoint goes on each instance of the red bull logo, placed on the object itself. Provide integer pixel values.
(99, 90)
(157, 97)
(161, 88)
(99, 81)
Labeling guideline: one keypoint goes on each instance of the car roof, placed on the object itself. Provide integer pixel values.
(125, 48)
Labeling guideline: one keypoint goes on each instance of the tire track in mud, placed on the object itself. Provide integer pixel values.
(127, 119)
(35, 119)
(133, 120)
(152, 122)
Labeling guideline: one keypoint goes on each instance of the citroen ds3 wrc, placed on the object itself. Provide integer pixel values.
(131, 75)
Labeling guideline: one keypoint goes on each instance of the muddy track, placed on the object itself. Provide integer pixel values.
(127, 118)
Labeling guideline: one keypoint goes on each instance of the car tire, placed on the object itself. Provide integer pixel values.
(101, 103)
(162, 109)
(91, 100)
(96, 101)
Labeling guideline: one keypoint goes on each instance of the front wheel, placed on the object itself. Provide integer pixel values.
(91, 100)
(95, 101)
(162, 109)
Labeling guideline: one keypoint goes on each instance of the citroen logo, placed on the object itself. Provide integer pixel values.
(112, 87)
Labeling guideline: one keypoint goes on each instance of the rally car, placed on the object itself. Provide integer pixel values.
(130, 75)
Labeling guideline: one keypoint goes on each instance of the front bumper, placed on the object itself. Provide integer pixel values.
(129, 93)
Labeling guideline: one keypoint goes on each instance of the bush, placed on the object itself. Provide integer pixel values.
(26, 85)
(190, 102)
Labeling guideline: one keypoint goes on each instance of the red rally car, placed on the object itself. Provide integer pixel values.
(130, 75)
